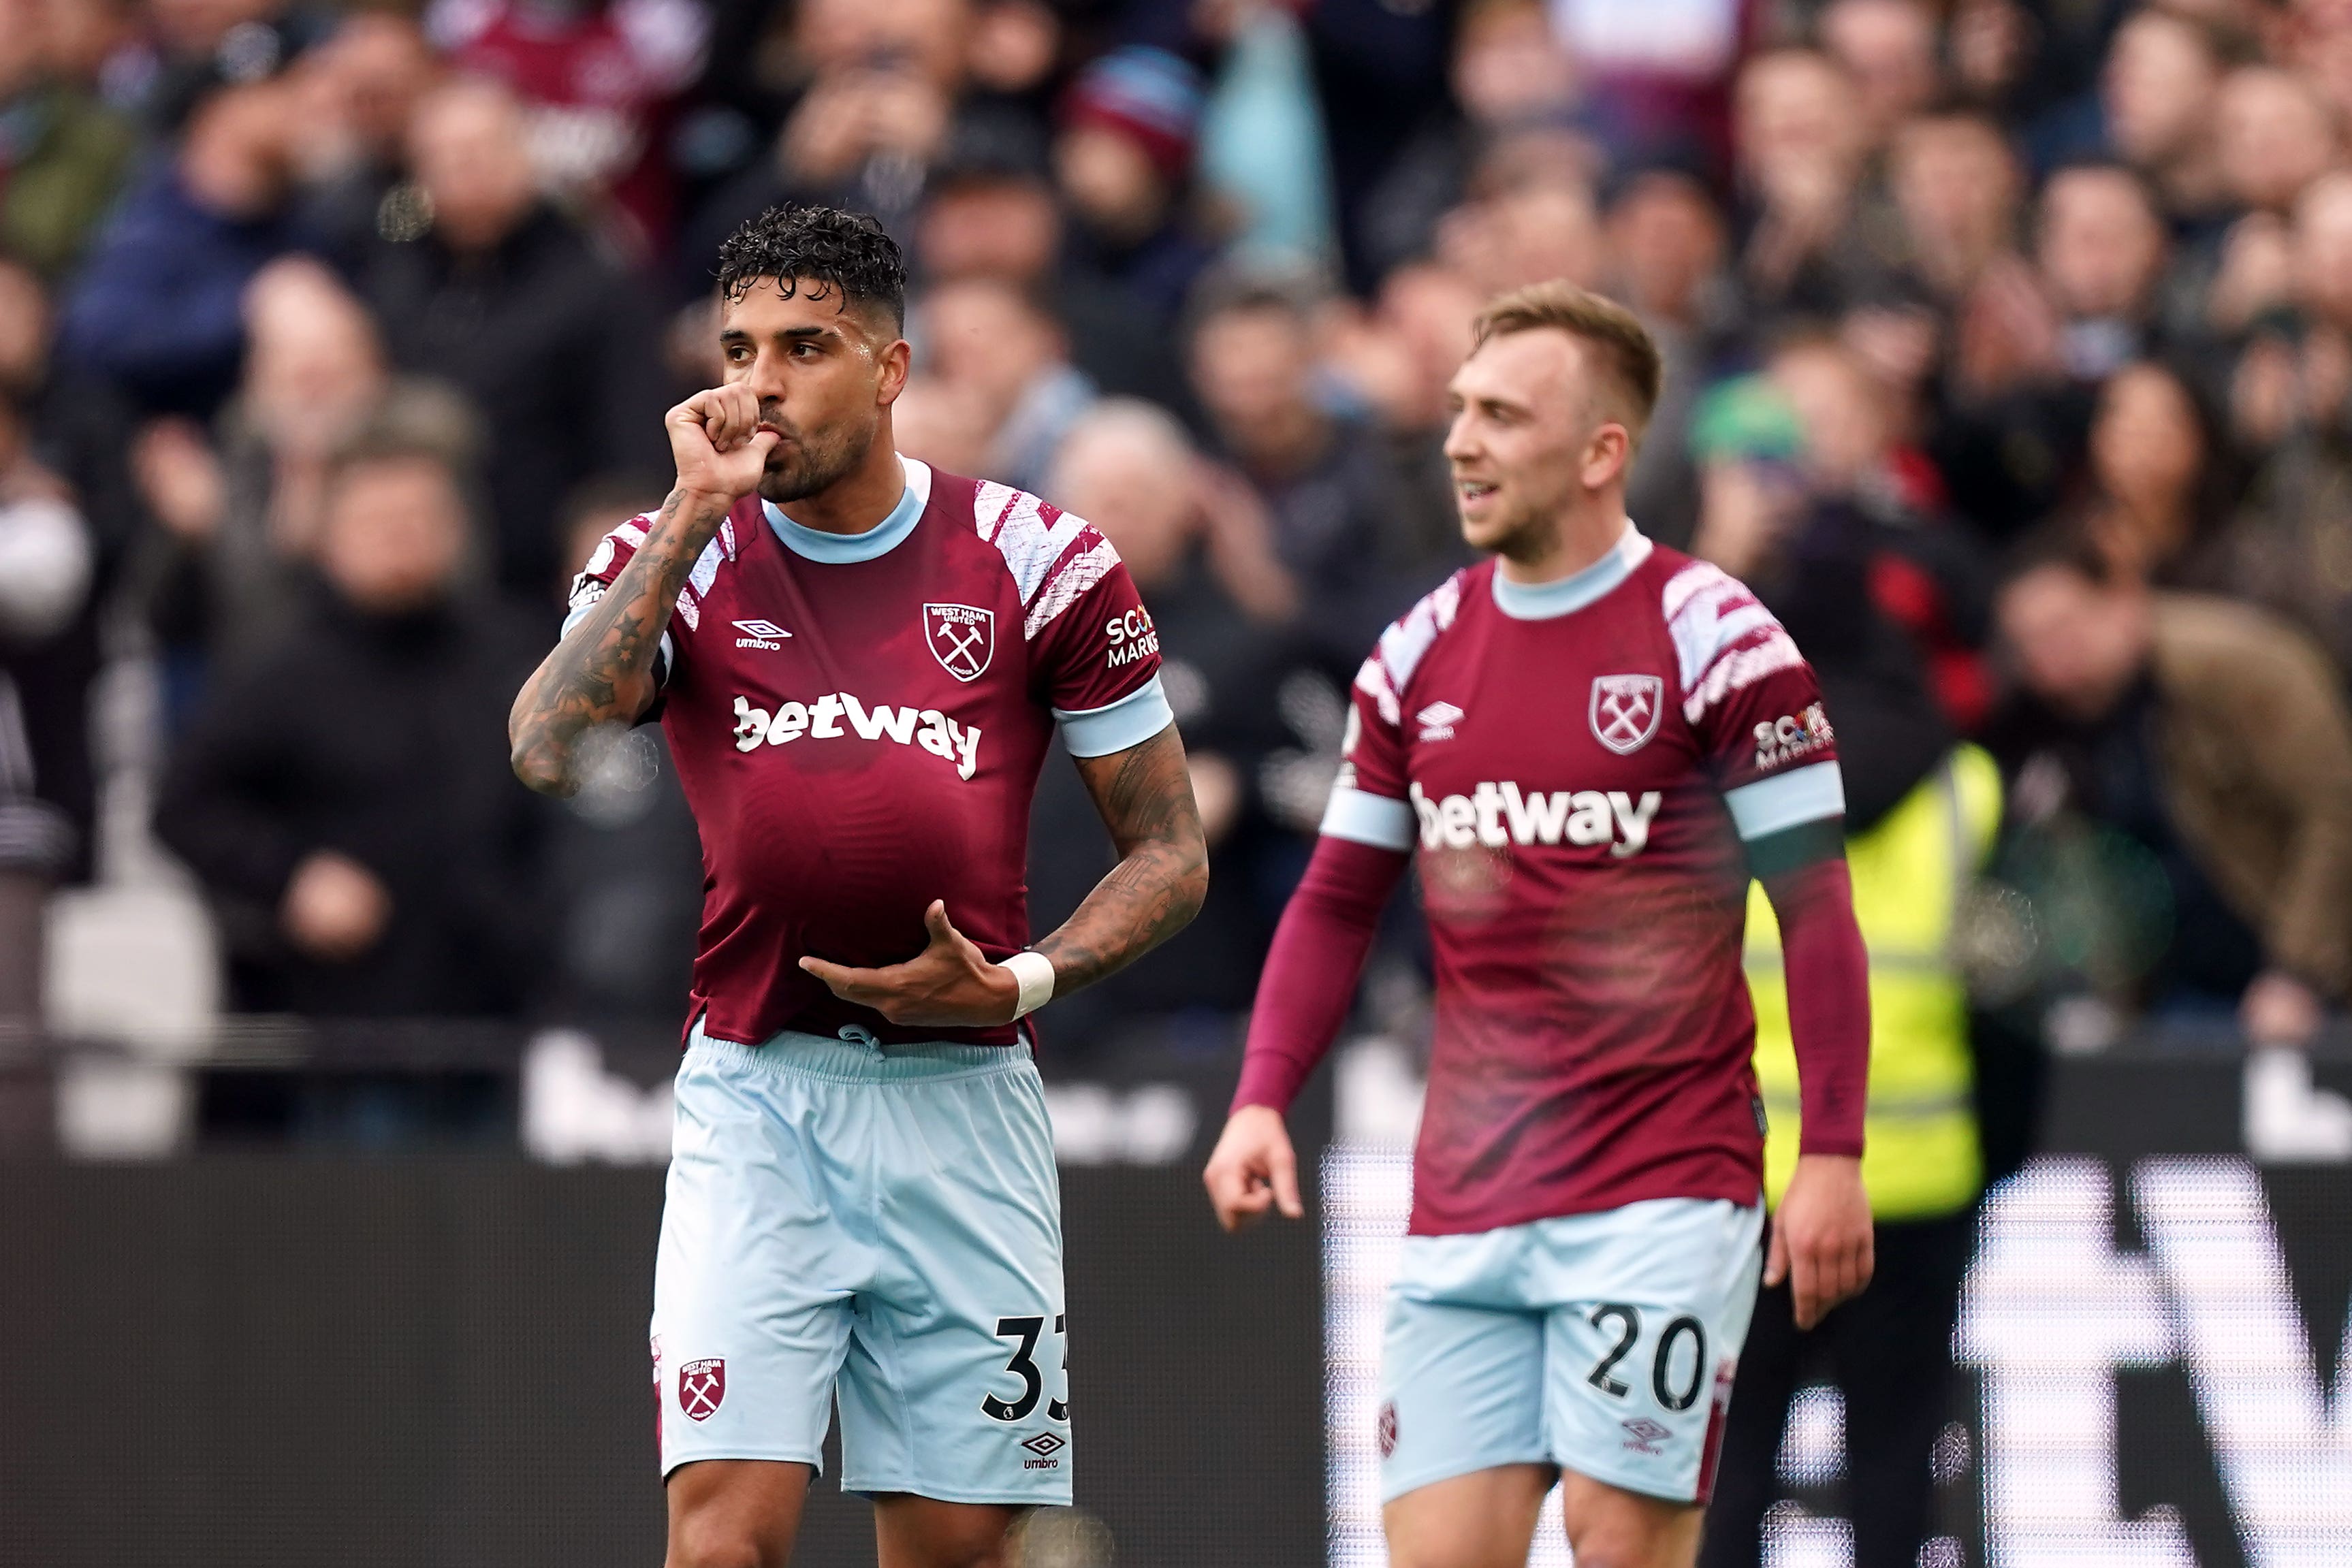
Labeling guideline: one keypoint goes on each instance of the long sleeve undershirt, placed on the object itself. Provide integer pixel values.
(1829, 1001)
(1309, 981)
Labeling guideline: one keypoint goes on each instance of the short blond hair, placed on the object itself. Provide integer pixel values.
(1625, 354)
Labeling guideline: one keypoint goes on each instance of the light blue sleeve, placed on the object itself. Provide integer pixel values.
(1787, 801)
(1381, 821)
(1130, 721)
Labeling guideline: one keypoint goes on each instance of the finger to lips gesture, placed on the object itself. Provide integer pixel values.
(951, 984)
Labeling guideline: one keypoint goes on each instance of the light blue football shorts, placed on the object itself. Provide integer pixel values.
(1602, 1343)
(879, 1227)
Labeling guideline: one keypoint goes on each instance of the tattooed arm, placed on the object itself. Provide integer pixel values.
(602, 673)
(1144, 796)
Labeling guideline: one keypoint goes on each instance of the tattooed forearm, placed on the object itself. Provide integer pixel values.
(603, 671)
(1144, 796)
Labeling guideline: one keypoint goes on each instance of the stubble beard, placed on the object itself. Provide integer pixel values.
(816, 462)
(1524, 534)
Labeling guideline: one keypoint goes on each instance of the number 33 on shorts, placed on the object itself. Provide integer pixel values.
(1025, 1332)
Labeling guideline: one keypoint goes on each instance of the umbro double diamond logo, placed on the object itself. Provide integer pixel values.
(759, 633)
(1437, 721)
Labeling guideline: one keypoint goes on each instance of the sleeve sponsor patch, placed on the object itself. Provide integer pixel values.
(1783, 741)
(1130, 636)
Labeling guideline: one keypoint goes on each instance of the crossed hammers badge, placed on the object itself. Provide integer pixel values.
(960, 637)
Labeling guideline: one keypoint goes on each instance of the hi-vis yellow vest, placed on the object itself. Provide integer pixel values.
(1920, 1158)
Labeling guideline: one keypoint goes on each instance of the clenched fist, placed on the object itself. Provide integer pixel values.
(718, 444)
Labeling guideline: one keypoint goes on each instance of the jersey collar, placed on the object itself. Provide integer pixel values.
(839, 549)
(1550, 600)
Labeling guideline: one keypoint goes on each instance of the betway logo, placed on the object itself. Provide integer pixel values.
(1500, 814)
(929, 728)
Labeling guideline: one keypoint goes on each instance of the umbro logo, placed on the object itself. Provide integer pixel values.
(1437, 721)
(1644, 1434)
(1044, 1445)
(759, 633)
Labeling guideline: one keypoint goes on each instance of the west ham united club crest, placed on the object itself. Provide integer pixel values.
(701, 1388)
(962, 638)
(1626, 711)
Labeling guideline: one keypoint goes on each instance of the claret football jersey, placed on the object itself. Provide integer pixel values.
(858, 722)
(1575, 767)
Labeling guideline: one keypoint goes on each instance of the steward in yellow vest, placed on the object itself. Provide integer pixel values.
(1911, 871)
(1888, 1351)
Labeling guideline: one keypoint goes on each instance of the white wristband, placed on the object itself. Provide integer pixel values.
(1034, 974)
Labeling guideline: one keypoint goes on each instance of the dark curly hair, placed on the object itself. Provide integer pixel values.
(823, 249)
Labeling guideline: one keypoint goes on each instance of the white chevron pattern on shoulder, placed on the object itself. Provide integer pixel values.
(990, 502)
(1028, 533)
(1403, 645)
(1710, 613)
(1693, 576)
(1373, 680)
(1076, 575)
(1742, 667)
(1053, 556)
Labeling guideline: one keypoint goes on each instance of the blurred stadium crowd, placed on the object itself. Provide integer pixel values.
(330, 336)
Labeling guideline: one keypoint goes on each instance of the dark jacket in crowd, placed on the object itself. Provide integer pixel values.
(624, 871)
(383, 739)
(558, 348)
(2229, 762)
(1878, 675)
(158, 307)
(1156, 273)
(1335, 527)
(1222, 676)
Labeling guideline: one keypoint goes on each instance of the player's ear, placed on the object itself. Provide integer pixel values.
(894, 364)
(1607, 454)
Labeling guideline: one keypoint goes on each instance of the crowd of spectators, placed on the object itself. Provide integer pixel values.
(2008, 348)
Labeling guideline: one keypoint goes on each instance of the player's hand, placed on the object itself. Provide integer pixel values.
(1252, 1168)
(1822, 1239)
(716, 442)
(951, 984)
